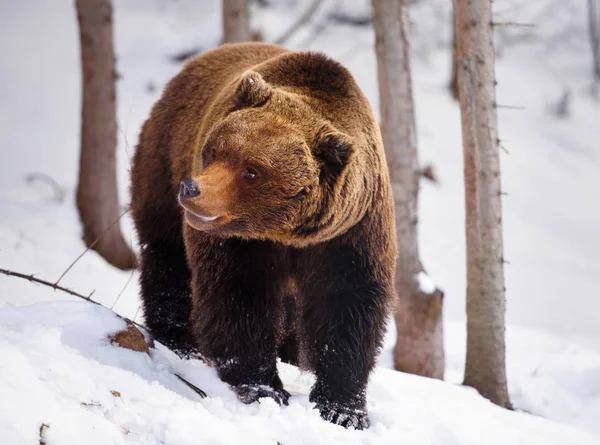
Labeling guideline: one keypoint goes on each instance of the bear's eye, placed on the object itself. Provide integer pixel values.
(250, 174)
(209, 156)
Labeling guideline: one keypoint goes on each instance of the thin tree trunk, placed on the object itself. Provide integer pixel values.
(594, 25)
(485, 365)
(97, 196)
(419, 347)
(236, 21)
(454, 76)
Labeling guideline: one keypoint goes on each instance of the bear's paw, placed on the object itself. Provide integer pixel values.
(252, 393)
(344, 416)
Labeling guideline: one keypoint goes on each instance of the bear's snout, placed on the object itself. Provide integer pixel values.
(188, 189)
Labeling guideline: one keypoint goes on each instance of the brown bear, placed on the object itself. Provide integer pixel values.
(262, 201)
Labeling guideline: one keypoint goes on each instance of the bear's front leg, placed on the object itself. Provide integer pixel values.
(345, 306)
(235, 314)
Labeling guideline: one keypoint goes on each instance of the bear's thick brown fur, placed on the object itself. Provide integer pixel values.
(263, 205)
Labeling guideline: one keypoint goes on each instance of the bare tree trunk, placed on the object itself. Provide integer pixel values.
(485, 365)
(97, 196)
(454, 79)
(594, 22)
(236, 21)
(419, 347)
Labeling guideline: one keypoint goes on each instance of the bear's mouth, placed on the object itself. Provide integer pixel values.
(195, 217)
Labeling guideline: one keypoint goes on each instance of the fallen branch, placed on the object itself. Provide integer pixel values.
(31, 278)
(192, 386)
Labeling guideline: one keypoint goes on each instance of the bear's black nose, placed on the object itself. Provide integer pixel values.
(188, 189)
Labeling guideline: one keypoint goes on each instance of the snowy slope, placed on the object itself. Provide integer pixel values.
(60, 370)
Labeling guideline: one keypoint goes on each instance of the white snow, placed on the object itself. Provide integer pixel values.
(426, 284)
(54, 356)
(59, 369)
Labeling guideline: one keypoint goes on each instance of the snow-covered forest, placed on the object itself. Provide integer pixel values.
(62, 381)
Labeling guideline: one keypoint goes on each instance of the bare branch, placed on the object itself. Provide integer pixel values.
(192, 386)
(594, 31)
(312, 9)
(91, 246)
(32, 278)
(123, 289)
(512, 25)
(511, 107)
(54, 286)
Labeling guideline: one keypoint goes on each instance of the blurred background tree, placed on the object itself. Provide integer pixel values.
(236, 21)
(97, 193)
(419, 343)
(486, 304)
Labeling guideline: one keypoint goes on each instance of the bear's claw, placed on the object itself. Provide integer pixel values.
(346, 417)
(252, 393)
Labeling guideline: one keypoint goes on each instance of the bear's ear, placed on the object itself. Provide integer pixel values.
(335, 150)
(252, 90)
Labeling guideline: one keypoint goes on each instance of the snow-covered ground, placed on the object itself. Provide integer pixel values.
(60, 370)
(50, 364)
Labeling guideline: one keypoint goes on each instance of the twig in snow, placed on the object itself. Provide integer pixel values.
(91, 246)
(124, 287)
(312, 9)
(137, 311)
(54, 286)
(32, 278)
(192, 386)
(59, 193)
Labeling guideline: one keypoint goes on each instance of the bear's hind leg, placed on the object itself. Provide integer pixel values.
(166, 295)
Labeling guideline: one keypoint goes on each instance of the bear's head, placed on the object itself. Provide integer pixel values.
(271, 166)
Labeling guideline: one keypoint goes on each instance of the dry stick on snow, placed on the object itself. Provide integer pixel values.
(55, 286)
(91, 246)
(312, 9)
(192, 386)
(126, 284)
(137, 311)
(31, 278)
(123, 290)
